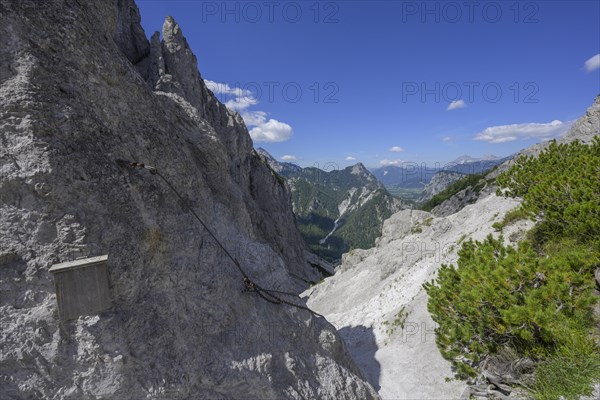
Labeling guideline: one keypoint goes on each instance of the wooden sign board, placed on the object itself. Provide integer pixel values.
(81, 287)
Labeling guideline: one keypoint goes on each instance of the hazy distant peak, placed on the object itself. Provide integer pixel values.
(468, 159)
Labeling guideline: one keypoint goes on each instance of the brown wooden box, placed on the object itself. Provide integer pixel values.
(81, 287)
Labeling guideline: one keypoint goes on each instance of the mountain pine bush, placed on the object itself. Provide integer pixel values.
(537, 298)
(562, 187)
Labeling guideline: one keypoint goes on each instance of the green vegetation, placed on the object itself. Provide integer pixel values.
(316, 212)
(363, 226)
(567, 373)
(538, 298)
(511, 217)
(416, 229)
(398, 322)
(514, 215)
(475, 181)
(504, 296)
(563, 186)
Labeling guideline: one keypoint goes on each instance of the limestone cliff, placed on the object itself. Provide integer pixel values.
(440, 181)
(80, 87)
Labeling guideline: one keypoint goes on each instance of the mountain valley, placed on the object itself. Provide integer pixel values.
(336, 210)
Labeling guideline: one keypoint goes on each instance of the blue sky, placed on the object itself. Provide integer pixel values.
(382, 82)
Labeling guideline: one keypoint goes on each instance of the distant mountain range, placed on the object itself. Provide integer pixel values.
(470, 165)
(336, 210)
(464, 159)
(410, 179)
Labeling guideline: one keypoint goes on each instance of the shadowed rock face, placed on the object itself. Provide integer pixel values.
(80, 87)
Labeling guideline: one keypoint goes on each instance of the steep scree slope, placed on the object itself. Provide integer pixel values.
(380, 291)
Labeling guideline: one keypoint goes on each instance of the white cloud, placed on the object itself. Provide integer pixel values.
(593, 63)
(386, 162)
(350, 158)
(253, 118)
(240, 103)
(262, 129)
(271, 131)
(455, 105)
(265, 130)
(530, 130)
(288, 157)
(446, 139)
(396, 149)
(223, 88)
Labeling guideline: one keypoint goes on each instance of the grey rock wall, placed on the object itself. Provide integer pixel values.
(81, 87)
(438, 183)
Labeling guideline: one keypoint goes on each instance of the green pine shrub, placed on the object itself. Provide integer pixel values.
(537, 298)
(568, 373)
(562, 187)
(504, 296)
(514, 215)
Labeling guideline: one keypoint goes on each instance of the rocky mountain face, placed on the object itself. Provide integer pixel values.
(586, 127)
(81, 87)
(468, 195)
(282, 168)
(337, 210)
(380, 289)
(438, 183)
